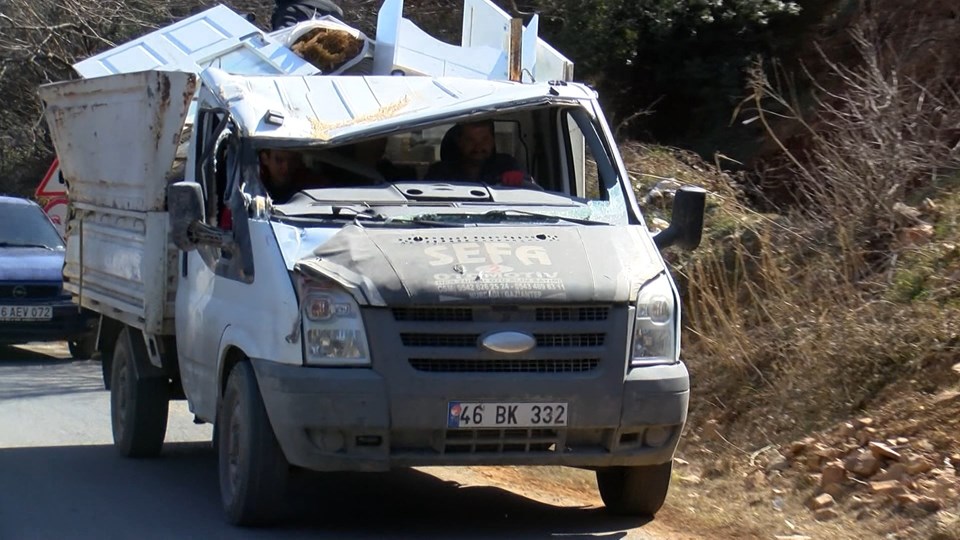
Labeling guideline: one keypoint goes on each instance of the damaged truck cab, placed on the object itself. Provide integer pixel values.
(460, 274)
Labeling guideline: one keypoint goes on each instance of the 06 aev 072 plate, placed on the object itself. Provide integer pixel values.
(26, 313)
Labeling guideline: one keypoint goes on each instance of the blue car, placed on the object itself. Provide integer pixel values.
(33, 304)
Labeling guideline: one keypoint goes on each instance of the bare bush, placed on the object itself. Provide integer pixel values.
(880, 131)
(790, 319)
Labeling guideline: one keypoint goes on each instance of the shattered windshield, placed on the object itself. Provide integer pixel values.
(548, 163)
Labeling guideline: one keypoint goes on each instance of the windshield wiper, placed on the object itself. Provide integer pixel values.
(503, 214)
(355, 213)
(26, 245)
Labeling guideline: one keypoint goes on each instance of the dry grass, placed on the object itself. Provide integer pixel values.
(835, 306)
(799, 318)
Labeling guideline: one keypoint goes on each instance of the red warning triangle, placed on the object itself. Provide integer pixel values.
(52, 184)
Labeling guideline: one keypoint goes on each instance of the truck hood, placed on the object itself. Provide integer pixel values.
(31, 264)
(490, 265)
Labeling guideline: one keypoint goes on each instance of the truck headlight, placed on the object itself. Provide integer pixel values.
(333, 332)
(655, 328)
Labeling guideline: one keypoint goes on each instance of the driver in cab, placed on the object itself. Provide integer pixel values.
(284, 173)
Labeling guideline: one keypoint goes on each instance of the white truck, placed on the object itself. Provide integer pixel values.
(393, 313)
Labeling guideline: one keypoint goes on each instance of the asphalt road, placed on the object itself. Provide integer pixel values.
(60, 478)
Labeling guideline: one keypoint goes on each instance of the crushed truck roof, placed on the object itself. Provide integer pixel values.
(328, 109)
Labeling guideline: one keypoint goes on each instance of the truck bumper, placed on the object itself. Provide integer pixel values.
(351, 420)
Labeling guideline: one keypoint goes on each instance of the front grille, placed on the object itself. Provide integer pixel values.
(505, 365)
(502, 313)
(471, 340)
(552, 314)
(439, 340)
(449, 339)
(570, 340)
(470, 441)
(432, 314)
(21, 292)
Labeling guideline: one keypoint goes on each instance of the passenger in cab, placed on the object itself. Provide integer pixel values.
(468, 152)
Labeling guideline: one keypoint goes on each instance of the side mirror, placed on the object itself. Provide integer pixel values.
(686, 225)
(185, 205)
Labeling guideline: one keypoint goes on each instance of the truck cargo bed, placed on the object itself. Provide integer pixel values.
(117, 139)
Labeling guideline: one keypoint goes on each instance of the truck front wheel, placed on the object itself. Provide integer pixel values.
(138, 405)
(634, 491)
(253, 469)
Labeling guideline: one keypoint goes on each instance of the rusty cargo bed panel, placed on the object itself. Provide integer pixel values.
(117, 136)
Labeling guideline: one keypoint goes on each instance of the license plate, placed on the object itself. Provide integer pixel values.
(465, 415)
(26, 313)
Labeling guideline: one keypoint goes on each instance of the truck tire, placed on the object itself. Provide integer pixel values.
(253, 469)
(138, 405)
(83, 348)
(634, 491)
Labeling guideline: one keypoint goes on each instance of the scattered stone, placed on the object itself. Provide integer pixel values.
(887, 487)
(825, 514)
(835, 490)
(861, 423)
(956, 368)
(945, 488)
(848, 429)
(897, 471)
(902, 441)
(916, 236)
(754, 480)
(711, 429)
(908, 499)
(866, 435)
(833, 473)
(929, 504)
(907, 213)
(955, 461)
(883, 451)
(925, 445)
(824, 500)
(849, 447)
(858, 501)
(797, 447)
(691, 479)
(827, 452)
(658, 224)
(947, 526)
(680, 462)
(813, 462)
(862, 463)
(927, 206)
(780, 465)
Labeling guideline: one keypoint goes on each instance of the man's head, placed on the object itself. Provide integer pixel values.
(281, 166)
(476, 142)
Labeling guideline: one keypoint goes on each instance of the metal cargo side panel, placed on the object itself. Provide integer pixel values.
(216, 37)
(128, 268)
(117, 136)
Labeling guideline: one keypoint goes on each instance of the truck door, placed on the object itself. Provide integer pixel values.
(212, 277)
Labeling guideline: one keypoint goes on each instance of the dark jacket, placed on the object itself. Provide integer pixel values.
(491, 172)
(290, 12)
